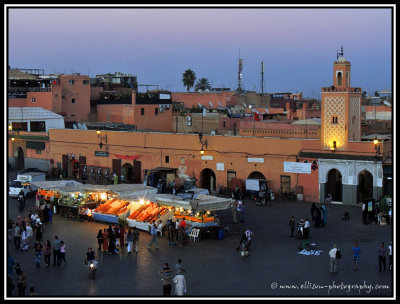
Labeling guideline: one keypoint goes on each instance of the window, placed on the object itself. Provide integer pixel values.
(229, 177)
(85, 82)
(142, 111)
(71, 81)
(72, 115)
(166, 159)
(224, 123)
(334, 119)
(33, 99)
(285, 184)
(339, 79)
(155, 111)
(38, 151)
(73, 100)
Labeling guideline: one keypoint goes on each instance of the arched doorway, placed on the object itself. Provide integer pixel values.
(207, 179)
(127, 172)
(256, 175)
(365, 186)
(20, 162)
(334, 185)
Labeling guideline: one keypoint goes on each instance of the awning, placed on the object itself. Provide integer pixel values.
(127, 157)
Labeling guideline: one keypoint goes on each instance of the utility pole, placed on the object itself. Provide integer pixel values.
(262, 78)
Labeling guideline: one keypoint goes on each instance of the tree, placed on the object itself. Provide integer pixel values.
(203, 84)
(188, 79)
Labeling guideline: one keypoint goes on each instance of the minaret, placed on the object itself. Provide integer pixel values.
(340, 109)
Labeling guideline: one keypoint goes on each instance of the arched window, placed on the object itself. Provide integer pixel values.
(339, 79)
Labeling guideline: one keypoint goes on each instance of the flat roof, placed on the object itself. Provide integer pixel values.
(31, 113)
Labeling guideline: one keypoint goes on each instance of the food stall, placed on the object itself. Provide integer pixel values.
(121, 202)
(145, 212)
(199, 212)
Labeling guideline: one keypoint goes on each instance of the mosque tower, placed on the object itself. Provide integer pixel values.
(340, 109)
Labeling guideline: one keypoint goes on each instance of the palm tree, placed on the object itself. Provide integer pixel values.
(188, 79)
(203, 84)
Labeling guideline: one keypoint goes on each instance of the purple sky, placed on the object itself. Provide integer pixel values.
(298, 45)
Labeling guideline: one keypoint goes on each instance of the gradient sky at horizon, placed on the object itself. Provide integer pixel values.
(297, 45)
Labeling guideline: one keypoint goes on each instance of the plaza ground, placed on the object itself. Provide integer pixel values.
(214, 268)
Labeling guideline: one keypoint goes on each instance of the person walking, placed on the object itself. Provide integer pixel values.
(166, 277)
(307, 229)
(105, 240)
(29, 232)
(313, 212)
(170, 232)
(121, 235)
(56, 251)
(179, 267)
(333, 259)
(382, 257)
(324, 215)
(37, 249)
(129, 240)
(249, 237)
(240, 210)
(39, 231)
(356, 255)
(180, 284)
(10, 228)
(234, 207)
(21, 284)
(154, 236)
(47, 252)
(10, 265)
(62, 252)
(50, 215)
(100, 239)
(390, 254)
(37, 203)
(17, 236)
(292, 225)
(24, 238)
(136, 235)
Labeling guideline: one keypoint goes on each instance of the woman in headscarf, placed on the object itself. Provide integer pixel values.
(313, 211)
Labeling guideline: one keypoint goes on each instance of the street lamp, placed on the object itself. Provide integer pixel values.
(101, 136)
(204, 143)
(377, 146)
(333, 147)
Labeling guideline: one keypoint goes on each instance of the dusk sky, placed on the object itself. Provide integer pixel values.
(298, 45)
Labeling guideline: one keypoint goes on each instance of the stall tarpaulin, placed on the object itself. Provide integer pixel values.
(50, 185)
(210, 203)
(171, 200)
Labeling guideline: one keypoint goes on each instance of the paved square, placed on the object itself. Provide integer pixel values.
(214, 268)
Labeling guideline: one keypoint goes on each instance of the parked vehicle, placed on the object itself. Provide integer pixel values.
(23, 182)
(254, 187)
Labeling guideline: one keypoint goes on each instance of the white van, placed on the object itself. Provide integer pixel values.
(23, 182)
(17, 185)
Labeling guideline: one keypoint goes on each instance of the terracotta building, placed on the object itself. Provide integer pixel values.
(337, 162)
(67, 95)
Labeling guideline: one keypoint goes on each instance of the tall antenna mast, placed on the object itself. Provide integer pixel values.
(262, 78)
(239, 89)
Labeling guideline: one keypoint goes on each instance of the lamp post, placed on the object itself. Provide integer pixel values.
(204, 143)
(377, 146)
(101, 136)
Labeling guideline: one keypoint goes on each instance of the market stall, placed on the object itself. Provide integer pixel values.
(145, 212)
(199, 212)
(122, 202)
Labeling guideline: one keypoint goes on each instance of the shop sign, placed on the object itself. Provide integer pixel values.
(220, 167)
(255, 160)
(206, 157)
(295, 167)
(101, 153)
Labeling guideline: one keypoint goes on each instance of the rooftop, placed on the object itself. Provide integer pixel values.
(19, 113)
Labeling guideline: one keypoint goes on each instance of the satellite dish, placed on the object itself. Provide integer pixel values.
(80, 126)
(256, 111)
(219, 103)
(74, 126)
(212, 132)
(84, 126)
(199, 105)
(210, 103)
(245, 105)
(266, 111)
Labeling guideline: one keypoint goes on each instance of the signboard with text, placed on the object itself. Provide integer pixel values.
(295, 167)
(101, 153)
